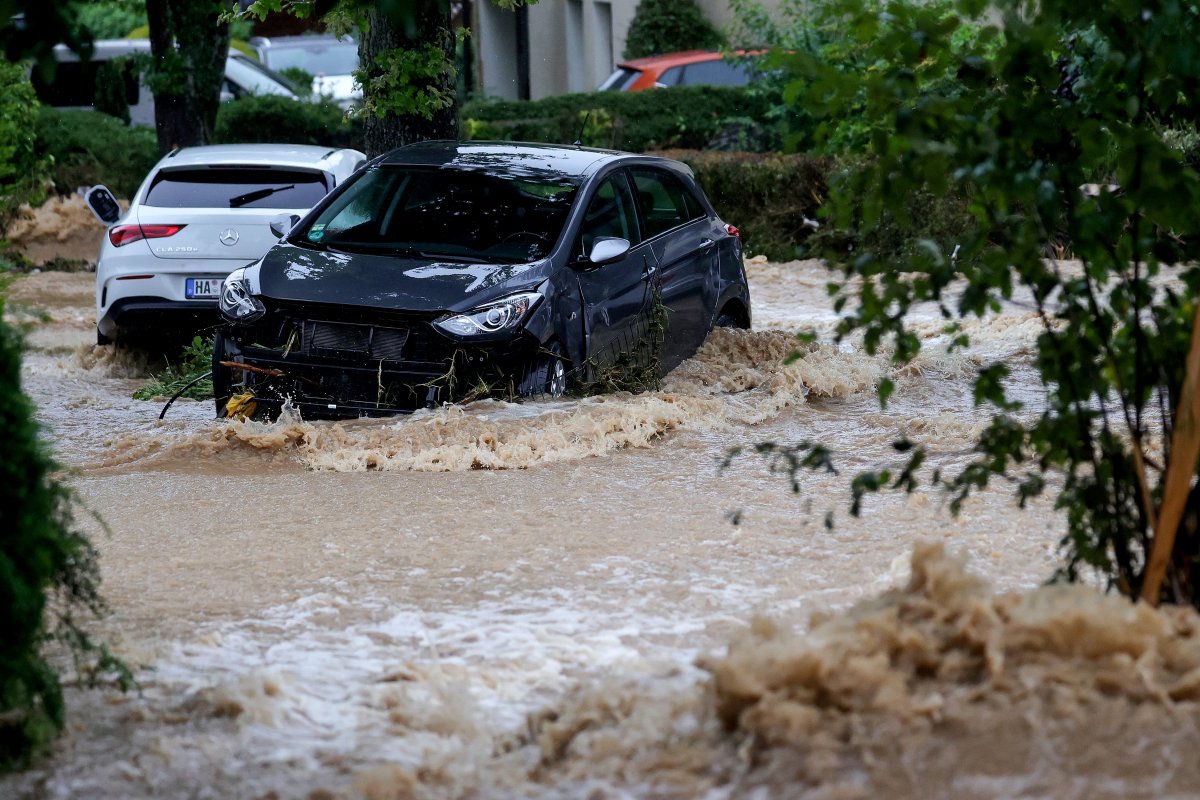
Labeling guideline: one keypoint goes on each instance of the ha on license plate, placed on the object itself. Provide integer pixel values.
(202, 288)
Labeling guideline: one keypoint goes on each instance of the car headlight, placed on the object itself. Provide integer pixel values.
(494, 317)
(237, 302)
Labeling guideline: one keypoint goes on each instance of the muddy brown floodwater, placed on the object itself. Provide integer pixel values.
(553, 599)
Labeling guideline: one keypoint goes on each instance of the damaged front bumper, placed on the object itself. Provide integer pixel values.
(330, 364)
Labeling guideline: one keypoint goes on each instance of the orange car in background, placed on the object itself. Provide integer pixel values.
(686, 68)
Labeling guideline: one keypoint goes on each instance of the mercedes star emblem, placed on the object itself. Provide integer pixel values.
(229, 237)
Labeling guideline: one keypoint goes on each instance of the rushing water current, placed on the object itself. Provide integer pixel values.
(572, 598)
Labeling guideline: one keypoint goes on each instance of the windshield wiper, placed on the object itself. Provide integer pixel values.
(257, 194)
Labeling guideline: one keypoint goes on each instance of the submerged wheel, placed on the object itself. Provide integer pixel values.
(546, 375)
(222, 377)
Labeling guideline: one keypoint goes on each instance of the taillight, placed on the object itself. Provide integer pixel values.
(732, 231)
(122, 235)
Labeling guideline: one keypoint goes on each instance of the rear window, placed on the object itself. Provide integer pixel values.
(620, 80)
(223, 187)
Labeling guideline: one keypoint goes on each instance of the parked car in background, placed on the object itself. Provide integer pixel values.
(200, 213)
(444, 271)
(73, 84)
(329, 59)
(685, 68)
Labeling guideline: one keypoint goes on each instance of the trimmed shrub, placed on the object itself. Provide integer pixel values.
(271, 118)
(110, 95)
(48, 571)
(927, 220)
(665, 26)
(85, 148)
(679, 117)
(767, 196)
(300, 79)
(22, 170)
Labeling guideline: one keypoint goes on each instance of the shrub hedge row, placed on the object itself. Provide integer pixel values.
(85, 148)
(683, 117)
(768, 196)
(272, 118)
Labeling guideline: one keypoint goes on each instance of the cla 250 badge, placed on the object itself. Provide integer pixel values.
(176, 249)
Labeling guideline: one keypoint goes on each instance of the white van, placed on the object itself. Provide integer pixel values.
(74, 82)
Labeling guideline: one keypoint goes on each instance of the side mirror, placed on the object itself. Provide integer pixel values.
(103, 205)
(283, 223)
(607, 249)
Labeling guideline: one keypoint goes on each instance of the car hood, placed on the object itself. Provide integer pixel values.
(393, 283)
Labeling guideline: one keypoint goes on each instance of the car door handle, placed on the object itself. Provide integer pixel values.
(706, 243)
(650, 269)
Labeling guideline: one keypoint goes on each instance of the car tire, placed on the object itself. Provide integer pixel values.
(727, 321)
(547, 375)
(222, 377)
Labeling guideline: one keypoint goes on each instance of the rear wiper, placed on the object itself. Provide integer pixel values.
(257, 194)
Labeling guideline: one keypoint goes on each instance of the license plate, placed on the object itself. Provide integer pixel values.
(202, 288)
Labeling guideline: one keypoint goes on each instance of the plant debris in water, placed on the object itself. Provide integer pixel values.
(195, 360)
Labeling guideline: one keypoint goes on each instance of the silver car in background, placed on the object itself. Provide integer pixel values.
(329, 59)
(73, 83)
(201, 213)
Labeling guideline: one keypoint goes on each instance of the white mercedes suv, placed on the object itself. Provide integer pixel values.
(201, 213)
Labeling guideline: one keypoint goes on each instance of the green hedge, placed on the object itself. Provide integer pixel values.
(271, 118)
(681, 117)
(86, 148)
(766, 195)
(21, 168)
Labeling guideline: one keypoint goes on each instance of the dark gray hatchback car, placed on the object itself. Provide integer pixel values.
(449, 270)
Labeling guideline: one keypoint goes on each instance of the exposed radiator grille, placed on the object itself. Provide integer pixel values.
(337, 339)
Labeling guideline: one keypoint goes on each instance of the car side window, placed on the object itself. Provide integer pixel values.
(716, 73)
(611, 212)
(664, 201)
(670, 77)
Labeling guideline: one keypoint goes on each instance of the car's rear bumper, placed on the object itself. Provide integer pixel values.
(145, 316)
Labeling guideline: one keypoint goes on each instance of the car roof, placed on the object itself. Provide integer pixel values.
(667, 60)
(284, 155)
(672, 59)
(298, 41)
(513, 158)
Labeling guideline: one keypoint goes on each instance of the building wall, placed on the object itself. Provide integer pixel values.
(573, 44)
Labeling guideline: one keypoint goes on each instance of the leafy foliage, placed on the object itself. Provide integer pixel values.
(768, 196)
(1043, 100)
(83, 148)
(112, 19)
(195, 361)
(300, 79)
(271, 118)
(22, 169)
(48, 575)
(815, 42)
(684, 116)
(665, 26)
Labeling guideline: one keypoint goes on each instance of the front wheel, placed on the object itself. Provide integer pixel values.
(222, 377)
(546, 375)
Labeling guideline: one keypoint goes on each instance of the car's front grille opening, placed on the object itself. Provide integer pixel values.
(342, 339)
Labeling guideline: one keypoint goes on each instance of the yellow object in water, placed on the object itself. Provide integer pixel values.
(241, 406)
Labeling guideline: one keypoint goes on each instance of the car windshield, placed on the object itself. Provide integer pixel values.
(318, 58)
(447, 213)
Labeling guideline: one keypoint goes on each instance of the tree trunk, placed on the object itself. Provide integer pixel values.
(427, 22)
(189, 44)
